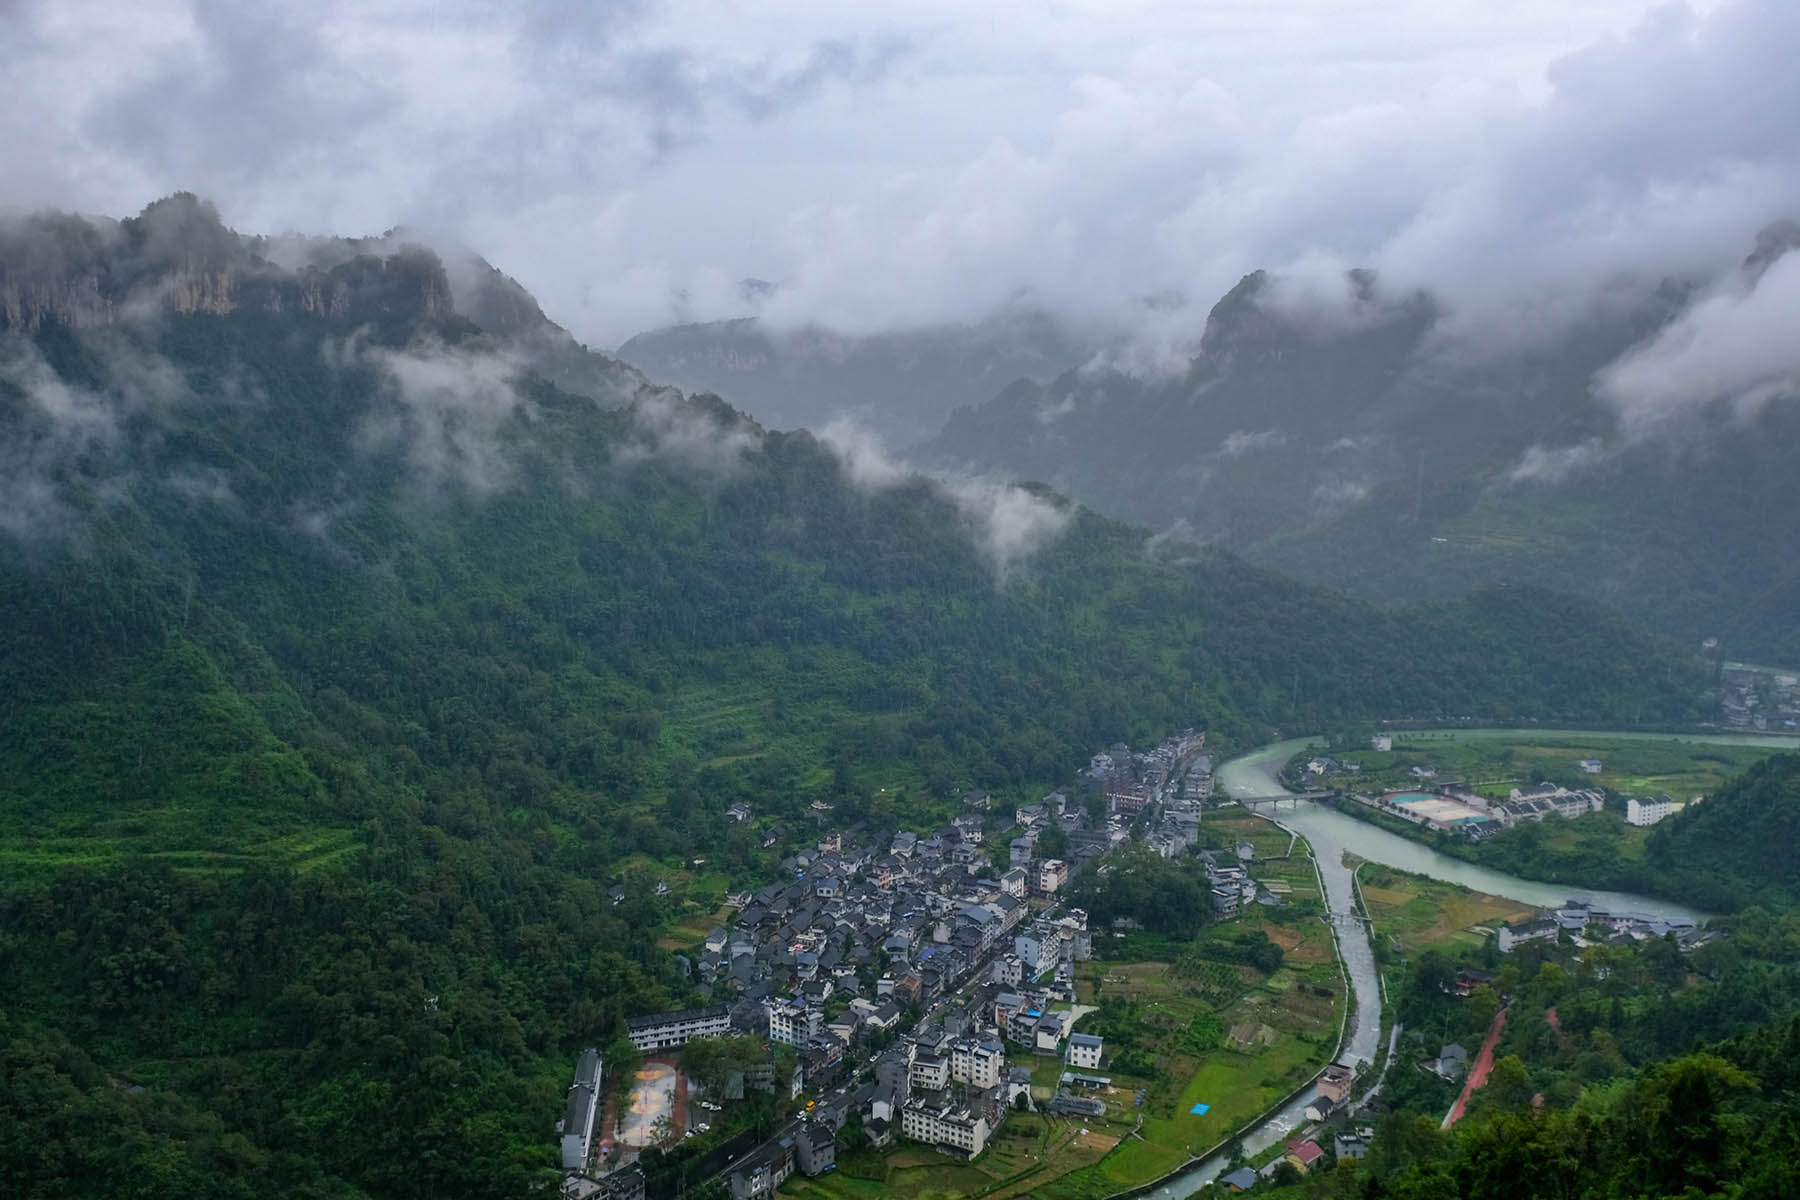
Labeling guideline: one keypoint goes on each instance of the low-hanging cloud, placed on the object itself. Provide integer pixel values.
(1556, 464)
(58, 424)
(711, 439)
(1244, 441)
(1739, 346)
(446, 408)
(1518, 160)
(1008, 523)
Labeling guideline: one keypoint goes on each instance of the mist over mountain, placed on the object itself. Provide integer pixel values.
(900, 386)
(89, 273)
(1366, 440)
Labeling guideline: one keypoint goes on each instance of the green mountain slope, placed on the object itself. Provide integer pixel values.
(348, 659)
(1747, 833)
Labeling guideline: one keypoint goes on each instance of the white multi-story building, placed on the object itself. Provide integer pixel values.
(791, 1022)
(1052, 873)
(1647, 810)
(665, 1031)
(930, 1072)
(1541, 929)
(1028, 946)
(1084, 1050)
(945, 1125)
(1579, 803)
(978, 1062)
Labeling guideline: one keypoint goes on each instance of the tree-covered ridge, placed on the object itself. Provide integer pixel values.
(347, 662)
(1745, 834)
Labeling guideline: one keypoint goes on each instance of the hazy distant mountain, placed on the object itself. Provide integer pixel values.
(1368, 446)
(900, 385)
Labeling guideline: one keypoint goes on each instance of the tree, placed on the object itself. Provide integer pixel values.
(1479, 1008)
(1509, 1085)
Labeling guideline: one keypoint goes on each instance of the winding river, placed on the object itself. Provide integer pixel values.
(1332, 834)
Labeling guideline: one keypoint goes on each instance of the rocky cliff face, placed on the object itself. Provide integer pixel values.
(178, 255)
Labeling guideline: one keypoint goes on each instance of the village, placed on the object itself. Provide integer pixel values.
(907, 989)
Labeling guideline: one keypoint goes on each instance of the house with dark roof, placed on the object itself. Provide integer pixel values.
(1240, 1180)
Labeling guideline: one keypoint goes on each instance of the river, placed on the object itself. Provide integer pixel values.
(1331, 833)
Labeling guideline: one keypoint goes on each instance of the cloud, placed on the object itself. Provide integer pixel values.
(1555, 464)
(1007, 522)
(865, 462)
(1337, 494)
(1010, 523)
(702, 435)
(1243, 442)
(1180, 543)
(445, 412)
(901, 164)
(1737, 346)
(61, 439)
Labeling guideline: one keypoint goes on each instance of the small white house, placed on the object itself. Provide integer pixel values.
(1381, 741)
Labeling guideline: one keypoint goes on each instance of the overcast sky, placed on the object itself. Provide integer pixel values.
(901, 163)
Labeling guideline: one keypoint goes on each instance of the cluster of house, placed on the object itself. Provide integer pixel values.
(811, 1149)
(1544, 800)
(948, 1084)
(1329, 1112)
(1592, 923)
(830, 959)
(1753, 698)
(1229, 883)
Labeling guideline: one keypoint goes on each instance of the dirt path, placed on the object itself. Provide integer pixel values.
(1478, 1070)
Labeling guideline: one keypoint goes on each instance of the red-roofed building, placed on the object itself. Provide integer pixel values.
(1304, 1154)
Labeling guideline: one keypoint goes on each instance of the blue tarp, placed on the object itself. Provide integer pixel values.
(1200, 1110)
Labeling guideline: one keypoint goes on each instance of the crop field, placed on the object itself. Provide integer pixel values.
(1424, 913)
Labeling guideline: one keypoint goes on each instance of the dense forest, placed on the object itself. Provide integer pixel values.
(348, 659)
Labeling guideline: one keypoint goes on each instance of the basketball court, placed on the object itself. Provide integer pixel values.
(652, 1099)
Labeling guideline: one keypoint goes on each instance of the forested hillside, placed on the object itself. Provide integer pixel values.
(347, 660)
(1744, 835)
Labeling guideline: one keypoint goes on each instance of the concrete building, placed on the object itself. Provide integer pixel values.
(953, 1127)
(665, 1031)
(978, 1062)
(815, 1149)
(792, 1022)
(1226, 900)
(1543, 929)
(1084, 1050)
(930, 1072)
(1336, 1082)
(760, 1178)
(1647, 810)
(580, 1113)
